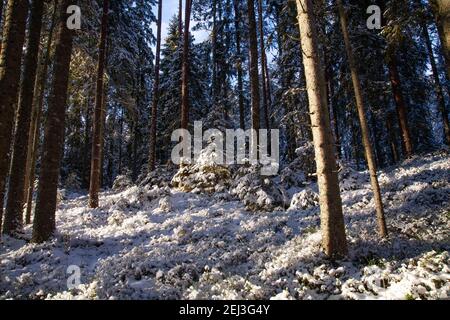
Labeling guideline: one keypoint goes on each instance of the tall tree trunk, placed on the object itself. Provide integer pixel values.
(437, 84)
(400, 105)
(185, 68)
(97, 122)
(332, 220)
(263, 65)
(240, 83)
(44, 219)
(253, 69)
(441, 10)
(214, 53)
(152, 149)
(392, 140)
(180, 19)
(14, 205)
(103, 115)
(35, 128)
(363, 122)
(10, 60)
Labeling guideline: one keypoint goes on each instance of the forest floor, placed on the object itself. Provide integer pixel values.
(140, 245)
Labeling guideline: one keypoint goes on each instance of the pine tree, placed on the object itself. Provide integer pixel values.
(97, 121)
(44, 220)
(360, 105)
(10, 60)
(441, 9)
(185, 68)
(239, 62)
(332, 221)
(35, 127)
(152, 149)
(14, 205)
(253, 70)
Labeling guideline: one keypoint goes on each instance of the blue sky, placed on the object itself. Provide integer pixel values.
(170, 8)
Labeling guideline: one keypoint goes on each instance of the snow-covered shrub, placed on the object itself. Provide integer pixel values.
(258, 193)
(306, 159)
(303, 200)
(160, 177)
(205, 176)
(122, 182)
(116, 218)
(351, 179)
(73, 182)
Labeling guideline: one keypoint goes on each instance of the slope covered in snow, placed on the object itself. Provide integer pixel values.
(160, 243)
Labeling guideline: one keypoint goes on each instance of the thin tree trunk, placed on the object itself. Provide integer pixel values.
(263, 65)
(253, 69)
(152, 155)
(437, 85)
(214, 53)
(441, 9)
(97, 121)
(392, 140)
(240, 83)
(10, 60)
(363, 123)
(103, 115)
(401, 105)
(35, 128)
(14, 204)
(332, 220)
(185, 68)
(44, 219)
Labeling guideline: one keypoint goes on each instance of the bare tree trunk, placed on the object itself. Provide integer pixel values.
(441, 9)
(44, 219)
(10, 60)
(363, 122)
(97, 121)
(401, 105)
(240, 83)
(263, 65)
(332, 220)
(392, 140)
(35, 128)
(152, 155)
(437, 85)
(253, 69)
(14, 204)
(185, 68)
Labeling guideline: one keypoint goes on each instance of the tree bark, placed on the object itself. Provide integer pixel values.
(14, 205)
(35, 128)
(263, 65)
(97, 121)
(44, 219)
(392, 140)
(401, 105)
(185, 68)
(437, 85)
(10, 60)
(152, 155)
(441, 10)
(363, 122)
(240, 83)
(253, 69)
(332, 220)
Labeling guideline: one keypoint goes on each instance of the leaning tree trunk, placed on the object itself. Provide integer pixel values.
(332, 220)
(441, 9)
(240, 83)
(44, 217)
(185, 68)
(363, 122)
(14, 204)
(437, 85)
(152, 155)
(35, 128)
(10, 59)
(97, 128)
(254, 76)
(400, 104)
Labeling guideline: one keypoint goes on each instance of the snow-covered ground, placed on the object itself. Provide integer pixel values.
(145, 243)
